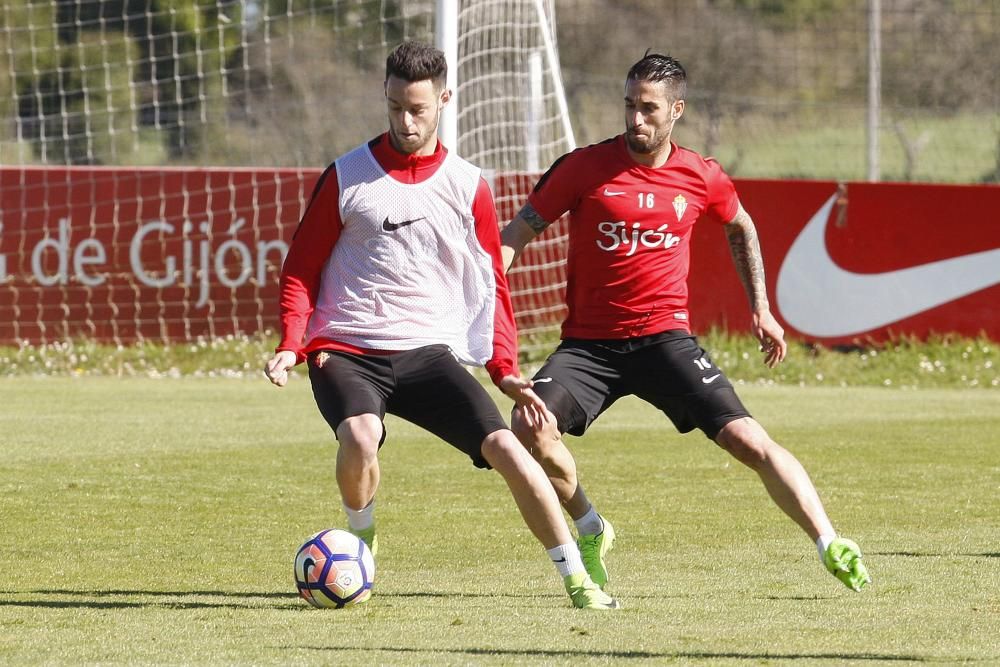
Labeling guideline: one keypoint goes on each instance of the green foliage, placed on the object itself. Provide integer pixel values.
(791, 14)
(965, 147)
(75, 68)
(154, 522)
(943, 361)
(778, 88)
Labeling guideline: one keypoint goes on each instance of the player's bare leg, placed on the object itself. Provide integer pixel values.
(792, 490)
(546, 446)
(358, 473)
(532, 491)
(784, 477)
(539, 506)
(357, 459)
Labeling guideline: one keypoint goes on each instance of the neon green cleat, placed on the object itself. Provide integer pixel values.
(843, 560)
(369, 537)
(586, 594)
(593, 549)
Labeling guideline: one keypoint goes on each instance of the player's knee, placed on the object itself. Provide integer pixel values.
(361, 435)
(524, 431)
(537, 439)
(502, 450)
(747, 441)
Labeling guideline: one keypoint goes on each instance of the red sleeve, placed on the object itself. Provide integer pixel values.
(557, 191)
(311, 246)
(504, 360)
(723, 203)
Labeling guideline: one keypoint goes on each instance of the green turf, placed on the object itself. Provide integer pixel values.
(154, 521)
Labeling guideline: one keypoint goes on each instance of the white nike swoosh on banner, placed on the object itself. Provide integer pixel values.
(819, 298)
(609, 193)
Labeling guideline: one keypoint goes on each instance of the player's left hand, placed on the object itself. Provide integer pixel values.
(771, 336)
(532, 406)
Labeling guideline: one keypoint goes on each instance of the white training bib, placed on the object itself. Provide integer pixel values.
(408, 269)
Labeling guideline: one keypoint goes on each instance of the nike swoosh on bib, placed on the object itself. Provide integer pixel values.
(819, 298)
(393, 226)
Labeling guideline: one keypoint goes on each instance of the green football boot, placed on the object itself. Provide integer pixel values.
(843, 560)
(369, 537)
(593, 549)
(585, 594)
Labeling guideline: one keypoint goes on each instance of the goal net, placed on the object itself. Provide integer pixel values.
(158, 154)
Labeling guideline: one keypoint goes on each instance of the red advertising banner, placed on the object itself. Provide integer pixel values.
(131, 254)
(176, 254)
(860, 261)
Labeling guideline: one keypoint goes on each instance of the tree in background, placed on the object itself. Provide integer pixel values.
(291, 82)
(90, 75)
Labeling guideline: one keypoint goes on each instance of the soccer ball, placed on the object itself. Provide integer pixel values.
(334, 568)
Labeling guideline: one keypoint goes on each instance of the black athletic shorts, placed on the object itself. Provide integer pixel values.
(426, 386)
(583, 378)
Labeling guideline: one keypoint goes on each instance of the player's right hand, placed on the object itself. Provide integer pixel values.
(277, 368)
(528, 402)
(771, 336)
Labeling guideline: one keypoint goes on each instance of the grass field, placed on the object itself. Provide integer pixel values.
(154, 521)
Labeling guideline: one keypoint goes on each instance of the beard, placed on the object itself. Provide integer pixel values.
(643, 144)
(413, 143)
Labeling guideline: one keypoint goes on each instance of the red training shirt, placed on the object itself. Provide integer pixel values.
(629, 234)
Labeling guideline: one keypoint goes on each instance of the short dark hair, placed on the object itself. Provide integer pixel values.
(659, 68)
(416, 61)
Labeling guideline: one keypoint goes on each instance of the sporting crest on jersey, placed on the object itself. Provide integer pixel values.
(680, 205)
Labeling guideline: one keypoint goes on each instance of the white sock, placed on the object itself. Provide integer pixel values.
(566, 558)
(590, 523)
(362, 518)
(822, 542)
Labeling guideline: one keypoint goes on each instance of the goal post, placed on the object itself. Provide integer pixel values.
(512, 120)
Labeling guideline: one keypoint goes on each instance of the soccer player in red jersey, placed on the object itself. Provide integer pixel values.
(633, 201)
(394, 277)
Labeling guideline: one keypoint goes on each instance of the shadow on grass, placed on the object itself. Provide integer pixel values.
(118, 592)
(926, 554)
(624, 655)
(807, 598)
(98, 599)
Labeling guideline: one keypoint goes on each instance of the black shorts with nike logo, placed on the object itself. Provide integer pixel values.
(426, 386)
(583, 378)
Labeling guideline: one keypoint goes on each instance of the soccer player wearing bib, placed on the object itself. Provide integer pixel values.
(632, 203)
(393, 278)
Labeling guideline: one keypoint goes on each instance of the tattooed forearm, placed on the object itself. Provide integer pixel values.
(525, 226)
(745, 248)
(533, 219)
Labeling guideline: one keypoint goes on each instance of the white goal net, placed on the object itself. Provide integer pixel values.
(157, 154)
